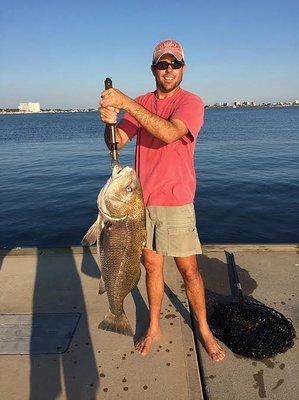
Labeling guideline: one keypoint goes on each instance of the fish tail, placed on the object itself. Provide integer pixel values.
(116, 323)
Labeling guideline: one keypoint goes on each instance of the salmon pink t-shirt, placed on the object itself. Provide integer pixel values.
(166, 171)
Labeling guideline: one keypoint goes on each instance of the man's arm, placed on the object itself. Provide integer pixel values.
(166, 130)
(121, 138)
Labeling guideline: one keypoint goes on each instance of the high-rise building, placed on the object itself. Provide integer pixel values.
(29, 107)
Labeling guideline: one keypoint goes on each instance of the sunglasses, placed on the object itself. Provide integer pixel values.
(175, 64)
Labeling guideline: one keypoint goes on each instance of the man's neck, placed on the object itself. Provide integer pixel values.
(163, 95)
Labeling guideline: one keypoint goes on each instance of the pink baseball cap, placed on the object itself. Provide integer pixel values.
(168, 46)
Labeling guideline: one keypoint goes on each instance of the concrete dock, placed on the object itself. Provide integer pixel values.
(104, 365)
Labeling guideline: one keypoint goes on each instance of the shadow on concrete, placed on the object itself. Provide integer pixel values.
(178, 304)
(58, 289)
(219, 282)
(89, 266)
(142, 313)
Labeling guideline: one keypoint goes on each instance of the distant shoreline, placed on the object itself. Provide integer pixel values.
(6, 111)
(263, 105)
(254, 106)
(13, 112)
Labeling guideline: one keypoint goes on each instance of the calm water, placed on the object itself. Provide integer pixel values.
(53, 165)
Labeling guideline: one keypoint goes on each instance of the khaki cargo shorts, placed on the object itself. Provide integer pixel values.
(171, 231)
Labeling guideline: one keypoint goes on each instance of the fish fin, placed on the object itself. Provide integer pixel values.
(93, 233)
(116, 323)
(102, 288)
(100, 228)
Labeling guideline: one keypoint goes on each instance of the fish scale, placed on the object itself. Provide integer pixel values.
(115, 267)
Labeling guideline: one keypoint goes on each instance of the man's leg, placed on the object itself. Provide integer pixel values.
(153, 263)
(196, 296)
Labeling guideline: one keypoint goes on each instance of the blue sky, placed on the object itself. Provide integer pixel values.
(58, 53)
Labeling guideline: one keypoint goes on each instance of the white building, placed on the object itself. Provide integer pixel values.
(29, 107)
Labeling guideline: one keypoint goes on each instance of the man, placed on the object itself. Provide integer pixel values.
(166, 123)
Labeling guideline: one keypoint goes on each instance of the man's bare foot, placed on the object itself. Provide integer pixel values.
(214, 350)
(143, 345)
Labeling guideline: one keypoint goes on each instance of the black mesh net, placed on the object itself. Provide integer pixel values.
(252, 329)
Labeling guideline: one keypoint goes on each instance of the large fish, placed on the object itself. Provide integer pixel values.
(120, 235)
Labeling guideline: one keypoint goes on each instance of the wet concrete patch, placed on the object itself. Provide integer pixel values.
(280, 382)
(168, 316)
(260, 384)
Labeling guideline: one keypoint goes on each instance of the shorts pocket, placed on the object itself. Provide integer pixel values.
(182, 240)
(150, 231)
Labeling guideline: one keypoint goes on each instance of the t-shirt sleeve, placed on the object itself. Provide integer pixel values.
(190, 111)
(129, 125)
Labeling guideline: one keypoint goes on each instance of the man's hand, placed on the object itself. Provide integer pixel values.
(108, 114)
(114, 98)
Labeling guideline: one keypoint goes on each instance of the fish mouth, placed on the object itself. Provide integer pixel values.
(118, 171)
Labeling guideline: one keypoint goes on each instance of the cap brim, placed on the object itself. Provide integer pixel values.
(178, 56)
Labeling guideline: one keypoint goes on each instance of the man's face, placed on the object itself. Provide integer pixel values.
(169, 79)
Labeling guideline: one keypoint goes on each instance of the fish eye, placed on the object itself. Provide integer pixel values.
(129, 189)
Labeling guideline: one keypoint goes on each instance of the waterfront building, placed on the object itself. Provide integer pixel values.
(29, 107)
(237, 103)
